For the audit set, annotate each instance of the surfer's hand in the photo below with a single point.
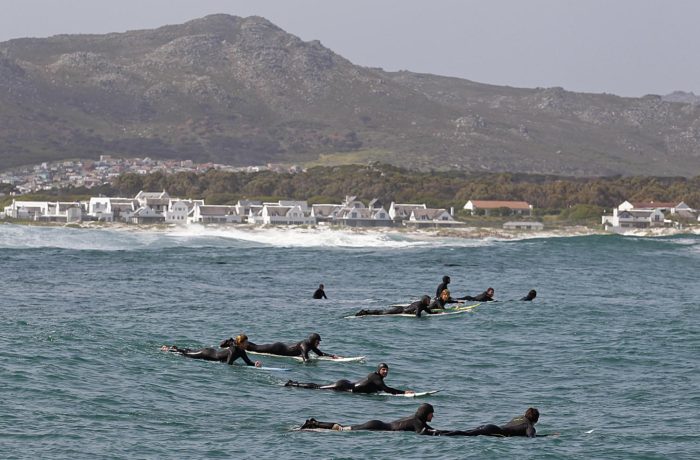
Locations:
(409, 392)
(258, 364)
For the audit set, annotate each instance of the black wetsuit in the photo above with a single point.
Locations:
(374, 383)
(225, 355)
(278, 348)
(414, 309)
(530, 295)
(319, 294)
(519, 426)
(483, 297)
(416, 423)
(441, 287)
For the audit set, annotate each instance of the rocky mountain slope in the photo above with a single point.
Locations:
(242, 91)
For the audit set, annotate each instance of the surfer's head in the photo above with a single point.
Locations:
(532, 294)
(532, 414)
(314, 339)
(425, 412)
(383, 369)
(425, 300)
(241, 340)
(226, 343)
(490, 291)
(446, 279)
(445, 295)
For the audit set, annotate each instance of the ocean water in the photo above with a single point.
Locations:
(608, 352)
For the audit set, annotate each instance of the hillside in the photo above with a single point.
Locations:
(243, 91)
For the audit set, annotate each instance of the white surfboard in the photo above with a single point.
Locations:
(417, 394)
(338, 359)
(268, 368)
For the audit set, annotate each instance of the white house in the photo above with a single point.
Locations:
(430, 217)
(178, 211)
(403, 211)
(220, 214)
(146, 215)
(157, 201)
(489, 206)
(635, 218)
(52, 211)
(325, 212)
(27, 210)
(282, 215)
(364, 217)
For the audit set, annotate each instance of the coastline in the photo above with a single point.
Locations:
(465, 232)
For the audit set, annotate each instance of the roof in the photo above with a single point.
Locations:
(494, 204)
(217, 210)
(430, 213)
(652, 204)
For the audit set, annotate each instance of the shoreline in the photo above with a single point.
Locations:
(465, 232)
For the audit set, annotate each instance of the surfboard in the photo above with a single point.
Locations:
(339, 359)
(268, 368)
(443, 312)
(417, 394)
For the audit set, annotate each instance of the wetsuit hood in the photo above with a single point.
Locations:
(445, 279)
(423, 411)
(313, 337)
(382, 366)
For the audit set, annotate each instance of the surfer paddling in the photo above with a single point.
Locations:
(373, 383)
(418, 423)
(416, 308)
(230, 350)
(486, 296)
(523, 425)
(302, 348)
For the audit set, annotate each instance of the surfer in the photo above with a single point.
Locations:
(416, 308)
(418, 423)
(373, 383)
(523, 425)
(443, 299)
(320, 293)
(442, 286)
(302, 348)
(530, 296)
(486, 296)
(231, 350)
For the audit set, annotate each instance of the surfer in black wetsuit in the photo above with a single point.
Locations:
(442, 300)
(418, 423)
(530, 296)
(486, 296)
(523, 425)
(422, 305)
(374, 383)
(320, 293)
(442, 286)
(230, 350)
(302, 348)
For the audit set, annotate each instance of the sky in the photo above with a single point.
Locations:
(624, 47)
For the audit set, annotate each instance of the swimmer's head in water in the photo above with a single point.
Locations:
(241, 339)
(313, 338)
(532, 414)
(424, 412)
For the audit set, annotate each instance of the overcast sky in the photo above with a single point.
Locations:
(624, 47)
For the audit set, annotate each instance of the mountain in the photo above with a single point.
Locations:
(242, 91)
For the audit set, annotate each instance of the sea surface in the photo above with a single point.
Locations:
(608, 352)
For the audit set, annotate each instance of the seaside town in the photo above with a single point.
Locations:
(93, 173)
(147, 208)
